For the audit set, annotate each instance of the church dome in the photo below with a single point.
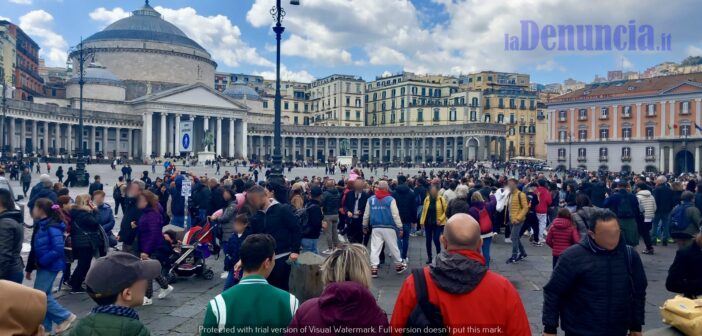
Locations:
(240, 91)
(145, 24)
(95, 73)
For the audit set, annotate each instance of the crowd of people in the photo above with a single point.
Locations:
(593, 223)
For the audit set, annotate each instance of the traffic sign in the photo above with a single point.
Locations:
(186, 136)
(186, 188)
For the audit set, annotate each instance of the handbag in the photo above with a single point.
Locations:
(683, 314)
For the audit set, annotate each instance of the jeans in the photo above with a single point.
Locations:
(332, 233)
(517, 247)
(309, 245)
(542, 217)
(55, 313)
(179, 221)
(486, 250)
(118, 203)
(14, 277)
(403, 242)
(433, 233)
(25, 188)
(661, 222)
(645, 232)
(84, 255)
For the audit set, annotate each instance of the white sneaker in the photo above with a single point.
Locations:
(327, 251)
(164, 292)
(224, 275)
(147, 301)
(508, 241)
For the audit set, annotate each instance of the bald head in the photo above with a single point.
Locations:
(462, 232)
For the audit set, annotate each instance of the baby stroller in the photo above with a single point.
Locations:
(193, 253)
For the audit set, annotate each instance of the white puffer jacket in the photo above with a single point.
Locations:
(647, 204)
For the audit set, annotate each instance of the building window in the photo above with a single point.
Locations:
(436, 115)
(348, 114)
(562, 115)
(420, 116)
(650, 130)
(604, 134)
(603, 151)
(474, 102)
(626, 152)
(582, 114)
(295, 107)
(358, 102)
(582, 152)
(626, 111)
(561, 152)
(512, 104)
(604, 112)
(286, 105)
(562, 135)
(626, 133)
(582, 135)
(650, 151)
(487, 118)
(651, 110)
(452, 115)
(265, 104)
(511, 131)
(685, 107)
(500, 118)
(501, 103)
(358, 115)
(685, 130)
(295, 120)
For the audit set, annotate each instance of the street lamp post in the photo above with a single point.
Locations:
(82, 55)
(276, 174)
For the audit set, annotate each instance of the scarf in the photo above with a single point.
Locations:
(117, 311)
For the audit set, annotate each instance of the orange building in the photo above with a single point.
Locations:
(651, 124)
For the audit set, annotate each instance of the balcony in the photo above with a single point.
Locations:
(562, 159)
(685, 111)
(582, 117)
(582, 159)
(604, 116)
(650, 158)
(651, 113)
(603, 158)
(626, 115)
(562, 119)
(626, 158)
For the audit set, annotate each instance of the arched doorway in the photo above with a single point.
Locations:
(473, 149)
(651, 169)
(626, 169)
(561, 168)
(684, 162)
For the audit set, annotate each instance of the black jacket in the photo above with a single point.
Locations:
(664, 199)
(131, 214)
(597, 193)
(592, 291)
(314, 220)
(406, 204)
(331, 201)
(216, 200)
(201, 196)
(93, 187)
(280, 222)
(351, 199)
(85, 228)
(685, 274)
(11, 238)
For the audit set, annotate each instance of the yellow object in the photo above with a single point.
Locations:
(684, 314)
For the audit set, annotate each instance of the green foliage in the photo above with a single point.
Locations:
(692, 60)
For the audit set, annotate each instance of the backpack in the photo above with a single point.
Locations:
(302, 216)
(678, 218)
(425, 315)
(485, 221)
(624, 210)
(117, 192)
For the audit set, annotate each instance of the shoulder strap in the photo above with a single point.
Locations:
(420, 288)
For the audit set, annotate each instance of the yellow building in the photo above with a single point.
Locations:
(491, 79)
(337, 100)
(7, 55)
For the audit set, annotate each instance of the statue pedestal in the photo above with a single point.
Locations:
(204, 156)
(345, 160)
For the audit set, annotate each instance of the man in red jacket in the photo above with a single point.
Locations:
(545, 201)
(472, 299)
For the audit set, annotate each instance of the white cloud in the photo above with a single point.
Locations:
(626, 63)
(108, 16)
(287, 75)
(5, 18)
(37, 24)
(394, 32)
(21, 2)
(550, 65)
(694, 51)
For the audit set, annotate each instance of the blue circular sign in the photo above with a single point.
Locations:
(186, 141)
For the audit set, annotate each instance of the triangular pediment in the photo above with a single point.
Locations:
(683, 87)
(195, 94)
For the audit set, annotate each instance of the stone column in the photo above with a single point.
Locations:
(293, 148)
(615, 120)
(231, 137)
(402, 150)
(371, 153)
(59, 143)
(118, 134)
(91, 146)
(423, 148)
(205, 128)
(105, 140)
(326, 149)
(69, 139)
(130, 144)
(23, 135)
(697, 159)
(639, 130)
(35, 136)
(593, 119)
(242, 138)
(218, 144)
(698, 116)
(664, 120)
(455, 149)
(163, 131)
(661, 159)
(147, 136)
(314, 149)
(359, 149)
(336, 146)
(176, 143)
(671, 158)
(45, 150)
(11, 134)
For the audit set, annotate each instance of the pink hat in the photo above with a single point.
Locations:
(353, 177)
(240, 200)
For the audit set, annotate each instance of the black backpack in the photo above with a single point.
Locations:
(625, 210)
(425, 316)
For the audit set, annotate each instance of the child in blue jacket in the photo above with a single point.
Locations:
(231, 249)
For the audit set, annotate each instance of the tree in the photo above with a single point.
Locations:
(692, 60)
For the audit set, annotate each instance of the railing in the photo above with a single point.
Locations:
(582, 159)
(561, 159)
(581, 118)
(626, 114)
(603, 158)
(626, 158)
(650, 158)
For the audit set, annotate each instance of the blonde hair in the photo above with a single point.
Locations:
(82, 201)
(348, 263)
(477, 197)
